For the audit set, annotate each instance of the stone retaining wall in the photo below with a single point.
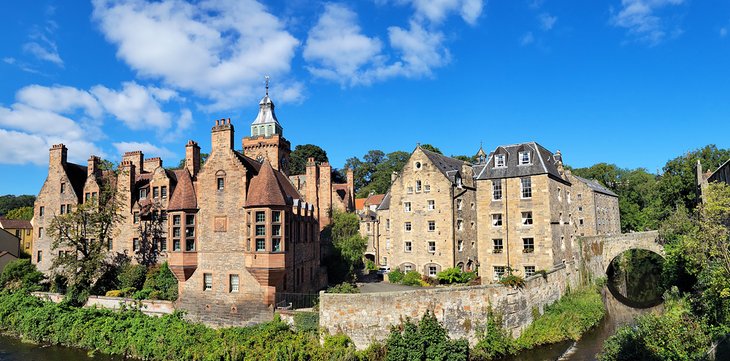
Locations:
(462, 310)
(148, 307)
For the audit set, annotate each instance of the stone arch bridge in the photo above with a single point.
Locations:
(599, 251)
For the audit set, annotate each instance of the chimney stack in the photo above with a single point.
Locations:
(58, 155)
(222, 134)
(136, 158)
(93, 167)
(192, 158)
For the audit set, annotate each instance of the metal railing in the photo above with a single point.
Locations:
(293, 301)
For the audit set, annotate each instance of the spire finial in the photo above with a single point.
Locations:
(267, 84)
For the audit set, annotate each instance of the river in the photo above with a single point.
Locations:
(12, 349)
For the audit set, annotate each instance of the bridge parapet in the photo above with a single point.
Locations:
(599, 251)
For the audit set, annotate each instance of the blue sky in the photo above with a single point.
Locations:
(631, 82)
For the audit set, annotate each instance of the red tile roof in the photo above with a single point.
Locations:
(360, 203)
(265, 189)
(374, 200)
(183, 196)
(15, 223)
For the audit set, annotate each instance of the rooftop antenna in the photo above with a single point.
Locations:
(267, 84)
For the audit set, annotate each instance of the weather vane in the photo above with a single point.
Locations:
(267, 84)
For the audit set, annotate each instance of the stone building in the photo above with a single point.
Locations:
(236, 231)
(22, 230)
(369, 228)
(531, 210)
(721, 174)
(427, 219)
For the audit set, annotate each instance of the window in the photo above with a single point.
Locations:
(190, 220)
(528, 245)
(497, 220)
(407, 226)
(407, 206)
(408, 268)
(40, 232)
(459, 225)
(431, 226)
(432, 246)
(260, 217)
(418, 165)
(163, 244)
(526, 187)
(275, 216)
(387, 246)
(220, 183)
(499, 160)
(580, 208)
(93, 195)
(567, 195)
(42, 211)
(529, 271)
(459, 204)
(233, 282)
(527, 218)
(408, 246)
(63, 208)
(135, 217)
(40, 256)
(524, 157)
(260, 245)
(418, 186)
(431, 271)
(276, 230)
(580, 221)
(135, 244)
(260, 230)
(176, 231)
(68, 208)
(142, 194)
(87, 197)
(189, 231)
(276, 244)
(207, 281)
(498, 246)
(497, 189)
(460, 245)
(427, 188)
(176, 245)
(579, 196)
(176, 220)
(559, 198)
(498, 272)
(156, 192)
(409, 190)
(163, 192)
(190, 245)
(63, 187)
(459, 183)
(387, 224)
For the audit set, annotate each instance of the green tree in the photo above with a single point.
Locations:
(21, 274)
(203, 158)
(301, 154)
(151, 233)
(431, 148)
(24, 213)
(426, 340)
(348, 246)
(379, 178)
(80, 242)
(9, 202)
(466, 158)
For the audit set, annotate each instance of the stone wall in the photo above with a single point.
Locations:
(462, 310)
(148, 307)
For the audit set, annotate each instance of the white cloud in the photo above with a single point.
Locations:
(336, 43)
(9, 60)
(42, 116)
(527, 39)
(219, 49)
(547, 21)
(437, 10)
(48, 53)
(136, 106)
(640, 19)
(147, 148)
(421, 50)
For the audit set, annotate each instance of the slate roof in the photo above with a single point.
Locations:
(265, 189)
(14, 223)
(77, 176)
(447, 165)
(385, 204)
(248, 162)
(266, 112)
(596, 186)
(542, 162)
(183, 196)
(9, 243)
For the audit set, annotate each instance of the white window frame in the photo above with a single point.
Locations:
(407, 207)
(432, 246)
(408, 246)
(497, 190)
(527, 218)
(207, 281)
(499, 272)
(234, 286)
(526, 190)
(497, 218)
(432, 223)
(460, 245)
(525, 157)
(432, 271)
(500, 161)
(431, 204)
(529, 271)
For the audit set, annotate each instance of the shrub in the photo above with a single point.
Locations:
(343, 287)
(426, 340)
(371, 266)
(513, 281)
(412, 278)
(21, 274)
(494, 341)
(306, 321)
(132, 276)
(113, 293)
(395, 276)
(455, 275)
(161, 283)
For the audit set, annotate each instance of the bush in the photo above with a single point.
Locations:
(395, 276)
(113, 293)
(513, 281)
(161, 283)
(425, 341)
(455, 275)
(674, 335)
(343, 287)
(21, 274)
(371, 266)
(306, 321)
(132, 276)
(412, 278)
(494, 342)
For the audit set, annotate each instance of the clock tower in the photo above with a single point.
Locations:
(267, 140)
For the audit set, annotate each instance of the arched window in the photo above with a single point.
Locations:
(418, 186)
(220, 180)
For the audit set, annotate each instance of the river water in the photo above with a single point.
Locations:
(12, 349)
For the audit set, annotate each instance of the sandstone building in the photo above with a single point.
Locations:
(237, 230)
(369, 229)
(427, 220)
(22, 229)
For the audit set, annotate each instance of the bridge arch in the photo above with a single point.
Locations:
(614, 246)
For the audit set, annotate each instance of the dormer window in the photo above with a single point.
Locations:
(499, 161)
(459, 184)
(524, 158)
